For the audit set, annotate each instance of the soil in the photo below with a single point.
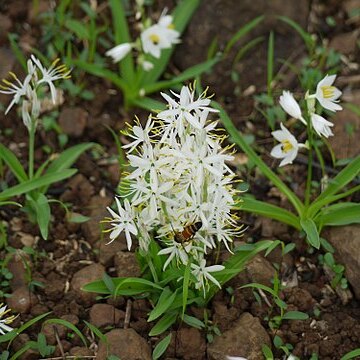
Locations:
(75, 254)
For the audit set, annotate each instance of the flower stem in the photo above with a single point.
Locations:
(31, 148)
(309, 170)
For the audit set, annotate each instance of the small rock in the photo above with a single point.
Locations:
(79, 187)
(346, 241)
(107, 251)
(126, 344)
(126, 264)
(260, 270)
(39, 309)
(244, 339)
(102, 315)
(71, 318)
(114, 173)
(84, 276)
(21, 300)
(17, 268)
(54, 288)
(224, 316)
(73, 121)
(190, 344)
(301, 298)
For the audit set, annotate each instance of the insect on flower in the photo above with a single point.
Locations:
(188, 232)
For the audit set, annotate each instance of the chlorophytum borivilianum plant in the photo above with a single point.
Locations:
(178, 201)
(142, 62)
(326, 209)
(34, 183)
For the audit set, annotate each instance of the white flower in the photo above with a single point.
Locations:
(4, 327)
(140, 135)
(166, 21)
(202, 274)
(288, 147)
(53, 73)
(235, 358)
(147, 65)
(17, 88)
(122, 221)
(154, 39)
(118, 52)
(321, 125)
(328, 95)
(290, 106)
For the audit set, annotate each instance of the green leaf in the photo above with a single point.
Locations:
(309, 226)
(270, 63)
(185, 287)
(16, 50)
(69, 325)
(165, 300)
(13, 163)
(336, 184)
(262, 287)
(163, 324)
(352, 354)
(242, 32)
(43, 213)
(122, 35)
(295, 315)
(78, 28)
(310, 43)
(132, 285)
(33, 184)
(239, 139)
(187, 74)
(267, 352)
(340, 214)
(149, 104)
(161, 347)
(97, 332)
(12, 334)
(252, 205)
(99, 70)
(193, 322)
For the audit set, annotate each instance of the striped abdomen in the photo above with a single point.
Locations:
(188, 233)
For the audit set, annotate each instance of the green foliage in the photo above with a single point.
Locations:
(35, 186)
(171, 291)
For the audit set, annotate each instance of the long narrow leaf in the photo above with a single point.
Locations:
(161, 347)
(122, 35)
(33, 184)
(339, 181)
(165, 300)
(100, 71)
(187, 74)
(309, 226)
(163, 324)
(13, 163)
(340, 214)
(240, 141)
(269, 210)
(242, 32)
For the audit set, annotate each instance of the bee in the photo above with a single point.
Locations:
(188, 232)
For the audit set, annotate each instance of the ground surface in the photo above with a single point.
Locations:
(76, 253)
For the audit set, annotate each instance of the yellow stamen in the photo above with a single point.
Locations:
(171, 27)
(55, 62)
(155, 39)
(328, 91)
(286, 146)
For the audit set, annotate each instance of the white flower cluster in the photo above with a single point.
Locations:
(153, 39)
(180, 188)
(4, 322)
(27, 91)
(327, 95)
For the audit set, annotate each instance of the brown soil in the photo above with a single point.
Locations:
(333, 328)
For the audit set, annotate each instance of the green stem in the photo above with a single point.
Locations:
(31, 148)
(309, 176)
